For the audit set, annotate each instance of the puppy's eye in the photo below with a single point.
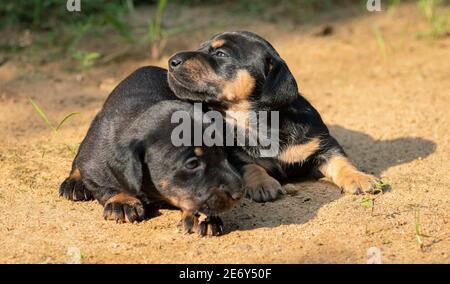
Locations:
(220, 53)
(192, 163)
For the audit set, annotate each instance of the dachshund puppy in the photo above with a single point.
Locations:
(240, 72)
(127, 161)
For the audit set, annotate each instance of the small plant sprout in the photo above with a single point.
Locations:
(419, 234)
(54, 128)
(45, 118)
(380, 42)
(367, 202)
(86, 59)
(417, 222)
(418, 227)
(380, 186)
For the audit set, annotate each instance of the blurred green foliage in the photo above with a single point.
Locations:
(45, 14)
(438, 23)
(62, 30)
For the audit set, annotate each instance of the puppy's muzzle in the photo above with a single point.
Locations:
(232, 183)
(177, 60)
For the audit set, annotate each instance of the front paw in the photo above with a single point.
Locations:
(189, 222)
(259, 185)
(265, 189)
(360, 183)
(211, 226)
(73, 189)
(124, 208)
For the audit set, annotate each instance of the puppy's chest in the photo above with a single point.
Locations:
(256, 132)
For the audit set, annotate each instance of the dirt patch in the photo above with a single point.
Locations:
(390, 112)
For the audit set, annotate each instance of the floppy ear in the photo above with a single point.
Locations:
(280, 87)
(126, 164)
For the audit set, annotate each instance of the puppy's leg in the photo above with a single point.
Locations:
(73, 188)
(123, 207)
(259, 185)
(189, 222)
(211, 226)
(338, 168)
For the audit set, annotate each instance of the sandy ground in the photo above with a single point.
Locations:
(391, 113)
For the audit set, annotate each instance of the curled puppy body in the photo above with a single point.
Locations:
(127, 161)
(239, 72)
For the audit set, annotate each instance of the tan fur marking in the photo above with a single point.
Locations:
(237, 92)
(240, 88)
(76, 175)
(238, 114)
(300, 152)
(199, 151)
(345, 175)
(180, 199)
(198, 71)
(117, 202)
(193, 219)
(163, 184)
(255, 175)
(123, 198)
(217, 43)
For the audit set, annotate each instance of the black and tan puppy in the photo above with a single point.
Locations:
(128, 163)
(238, 72)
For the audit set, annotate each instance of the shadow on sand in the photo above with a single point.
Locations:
(370, 155)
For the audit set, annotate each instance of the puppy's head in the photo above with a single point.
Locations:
(191, 178)
(230, 68)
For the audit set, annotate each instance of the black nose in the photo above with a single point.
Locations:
(175, 61)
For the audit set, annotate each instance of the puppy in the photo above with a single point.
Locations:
(127, 161)
(239, 72)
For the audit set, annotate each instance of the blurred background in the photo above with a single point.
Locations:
(106, 31)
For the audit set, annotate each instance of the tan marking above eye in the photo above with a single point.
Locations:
(217, 43)
(300, 152)
(199, 151)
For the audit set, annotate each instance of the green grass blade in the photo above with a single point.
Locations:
(41, 113)
(73, 150)
(380, 42)
(162, 4)
(65, 119)
(417, 226)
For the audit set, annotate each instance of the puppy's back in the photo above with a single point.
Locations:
(141, 90)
